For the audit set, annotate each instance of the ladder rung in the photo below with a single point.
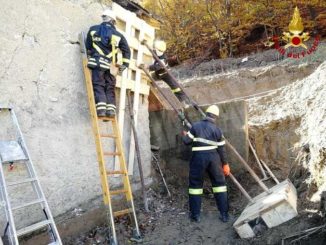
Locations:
(21, 181)
(28, 204)
(115, 172)
(108, 136)
(111, 154)
(33, 227)
(106, 118)
(122, 212)
(117, 192)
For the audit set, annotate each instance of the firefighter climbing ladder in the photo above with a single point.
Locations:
(102, 155)
(15, 152)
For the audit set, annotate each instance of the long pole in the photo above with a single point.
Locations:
(161, 173)
(246, 165)
(180, 114)
(140, 165)
(257, 159)
(174, 79)
(243, 191)
(188, 124)
(270, 172)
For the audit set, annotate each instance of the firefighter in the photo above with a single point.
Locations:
(159, 73)
(102, 43)
(208, 156)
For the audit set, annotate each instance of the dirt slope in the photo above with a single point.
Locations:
(304, 102)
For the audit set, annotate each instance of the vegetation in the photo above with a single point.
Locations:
(217, 28)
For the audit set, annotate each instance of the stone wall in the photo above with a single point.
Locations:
(175, 155)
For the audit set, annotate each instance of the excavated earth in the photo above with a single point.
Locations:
(287, 127)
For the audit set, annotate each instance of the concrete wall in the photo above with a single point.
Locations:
(41, 77)
(176, 156)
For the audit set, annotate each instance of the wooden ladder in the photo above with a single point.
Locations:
(99, 124)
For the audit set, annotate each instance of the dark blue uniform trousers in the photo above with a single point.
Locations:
(104, 87)
(200, 163)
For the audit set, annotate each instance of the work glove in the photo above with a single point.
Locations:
(122, 68)
(226, 169)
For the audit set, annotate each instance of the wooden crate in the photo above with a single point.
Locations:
(270, 208)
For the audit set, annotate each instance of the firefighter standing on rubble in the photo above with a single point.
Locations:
(208, 156)
(159, 73)
(102, 45)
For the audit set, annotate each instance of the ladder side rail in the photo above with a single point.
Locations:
(36, 184)
(9, 215)
(29, 164)
(126, 180)
(96, 131)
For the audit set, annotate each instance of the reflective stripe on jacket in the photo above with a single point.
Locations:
(102, 44)
(205, 136)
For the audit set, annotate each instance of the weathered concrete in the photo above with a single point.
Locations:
(232, 121)
(41, 77)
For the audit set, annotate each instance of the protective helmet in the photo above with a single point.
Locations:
(160, 45)
(108, 14)
(213, 109)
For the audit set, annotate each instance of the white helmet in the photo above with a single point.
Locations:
(160, 47)
(213, 109)
(108, 15)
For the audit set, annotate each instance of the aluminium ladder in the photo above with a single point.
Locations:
(15, 151)
(102, 134)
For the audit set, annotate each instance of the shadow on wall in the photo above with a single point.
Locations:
(166, 131)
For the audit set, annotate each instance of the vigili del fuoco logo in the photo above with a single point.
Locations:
(296, 37)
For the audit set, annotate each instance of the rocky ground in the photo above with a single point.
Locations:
(167, 223)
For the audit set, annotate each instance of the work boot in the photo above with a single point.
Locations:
(224, 217)
(101, 113)
(110, 113)
(195, 218)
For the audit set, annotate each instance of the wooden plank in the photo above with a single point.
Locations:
(135, 30)
(137, 88)
(122, 212)
(144, 88)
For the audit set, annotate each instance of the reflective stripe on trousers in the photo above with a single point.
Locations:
(219, 189)
(193, 191)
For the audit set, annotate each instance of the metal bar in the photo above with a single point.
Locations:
(38, 201)
(270, 172)
(9, 215)
(140, 164)
(33, 227)
(161, 173)
(243, 191)
(32, 174)
(257, 159)
(21, 182)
